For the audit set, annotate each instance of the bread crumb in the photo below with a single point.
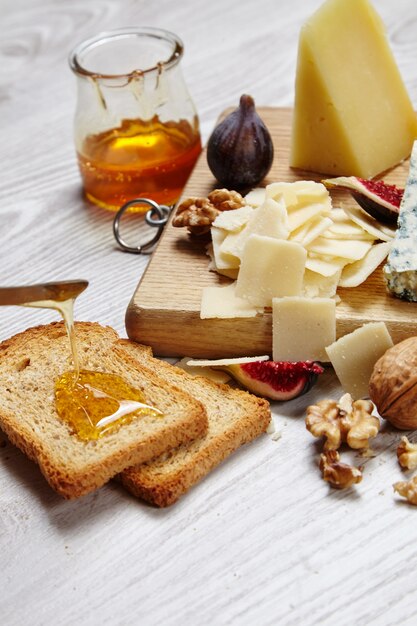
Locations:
(271, 427)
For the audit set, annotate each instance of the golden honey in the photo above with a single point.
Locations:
(138, 159)
(97, 403)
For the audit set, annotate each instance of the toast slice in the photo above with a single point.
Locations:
(29, 365)
(235, 417)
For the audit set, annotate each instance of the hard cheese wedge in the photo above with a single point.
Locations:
(401, 270)
(352, 113)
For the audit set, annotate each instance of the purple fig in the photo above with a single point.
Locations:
(381, 200)
(276, 380)
(240, 149)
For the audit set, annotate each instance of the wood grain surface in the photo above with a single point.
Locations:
(262, 540)
(168, 297)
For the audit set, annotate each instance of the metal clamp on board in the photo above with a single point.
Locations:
(157, 216)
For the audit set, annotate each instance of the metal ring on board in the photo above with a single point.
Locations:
(156, 216)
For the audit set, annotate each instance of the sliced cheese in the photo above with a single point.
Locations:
(270, 268)
(302, 328)
(319, 286)
(222, 259)
(300, 214)
(224, 362)
(347, 229)
(255, 197)
(352, 113)
(369, 224)
(222, 302)
(344, 248)
(218, 376)
(269, 219)
(326, 266)
(353, 356)
(233, 220)
(356, 273)
(309, 231)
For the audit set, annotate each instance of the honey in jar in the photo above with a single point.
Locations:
(136, 128)
(138, 159)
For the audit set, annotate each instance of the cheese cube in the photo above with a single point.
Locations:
(270, 268)
(352, 113)
(353, 356)
(302, 328)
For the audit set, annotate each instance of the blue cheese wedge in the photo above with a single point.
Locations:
(400, 271)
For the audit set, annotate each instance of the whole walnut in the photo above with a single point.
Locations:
(393, 385)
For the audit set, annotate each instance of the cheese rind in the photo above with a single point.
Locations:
(353, 356)
(345, 70)
(400, 271)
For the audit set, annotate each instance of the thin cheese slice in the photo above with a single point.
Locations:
(218, 376)
(309, 231)
(299, 215)
(269, 219)
(345, 248)
(352, 113)
(347, 230)
(222, 302)
(326, 266)
(255, 197)
(302, 328)
(356, 273)
(369, 224)
(270, 268)
(353, 356)
(223, 362)
(319, 286)
(233, 220)
(222, 259)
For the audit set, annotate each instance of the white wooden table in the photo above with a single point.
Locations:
(262, 540)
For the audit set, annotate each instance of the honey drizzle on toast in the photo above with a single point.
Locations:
(92, 403)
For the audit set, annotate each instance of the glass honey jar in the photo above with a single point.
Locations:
(136, 127)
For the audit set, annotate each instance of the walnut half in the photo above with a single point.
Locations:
(407, 454)
(198, 214)
(338, 475)
(407, 489)
(343, 421)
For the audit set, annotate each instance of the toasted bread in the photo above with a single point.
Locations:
(235, 417)
(29, 365)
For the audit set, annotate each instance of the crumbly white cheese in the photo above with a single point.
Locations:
(400, 271)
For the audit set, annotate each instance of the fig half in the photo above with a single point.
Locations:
(276, 380)
(377, 198)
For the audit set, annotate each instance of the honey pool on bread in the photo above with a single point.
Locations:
(93, 403)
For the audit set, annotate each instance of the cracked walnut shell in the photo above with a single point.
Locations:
(198, 214)
(343, 421)
(393, 385)
(338, 475)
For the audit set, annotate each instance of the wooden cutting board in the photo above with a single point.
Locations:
(164, 312)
